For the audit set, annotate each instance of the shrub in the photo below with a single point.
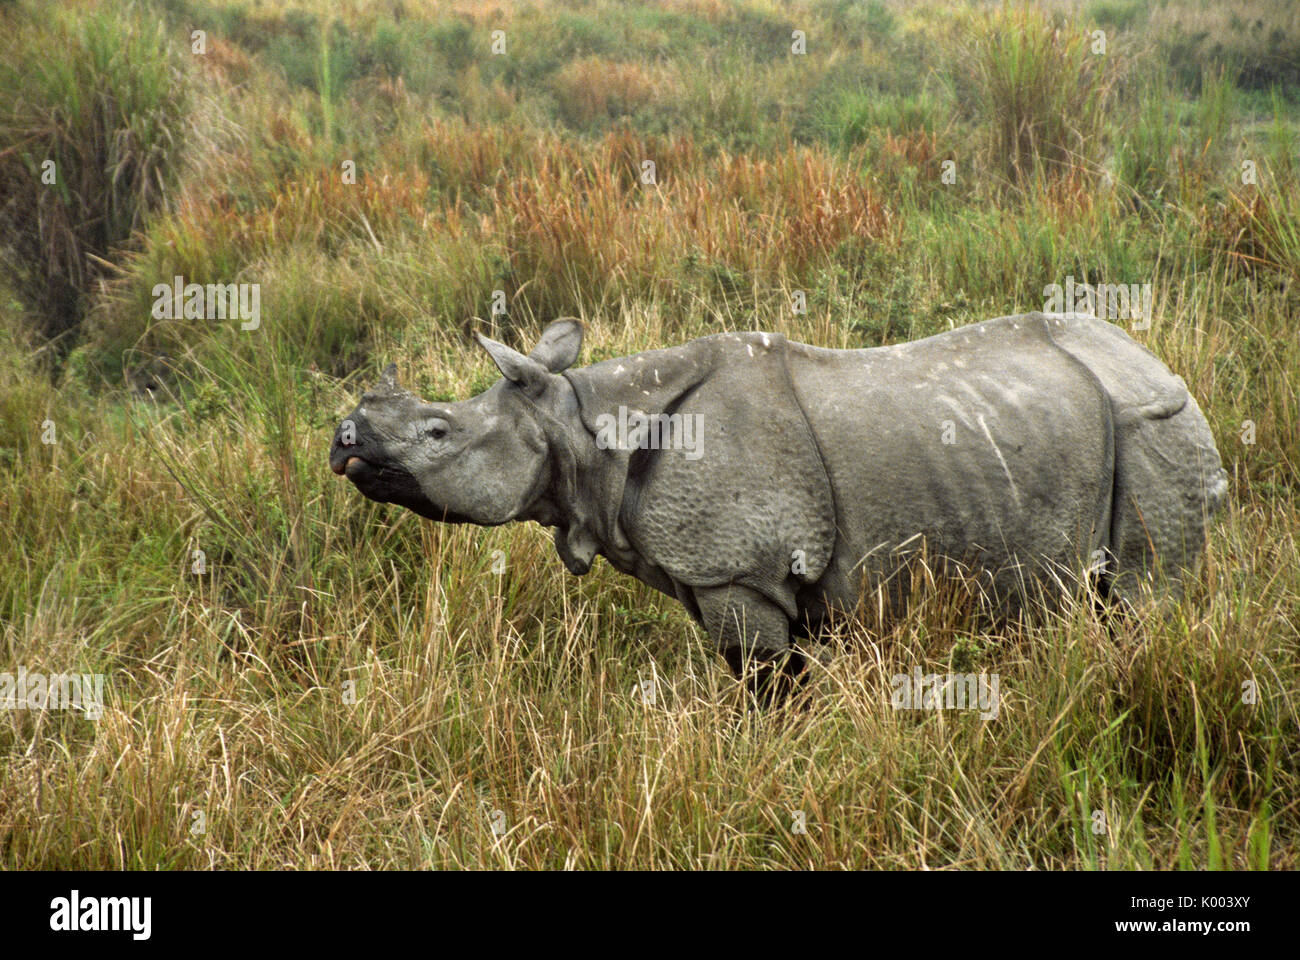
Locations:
(872, 18)
(108, 112)
(854, 116)
(595, 89)
(1257, 40)
(1259, 229)
(1040, 92)
(1119, 14)
(1147, 143)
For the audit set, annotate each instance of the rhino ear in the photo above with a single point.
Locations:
(514, 366)
(389, 375)
(560, 344)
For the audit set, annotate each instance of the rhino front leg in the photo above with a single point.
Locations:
(753, 634)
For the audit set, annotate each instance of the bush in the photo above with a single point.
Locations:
(872, 18)
(1256, 40)
(1118, 14)
(1147, 143)
(854, 116)
(107, 111)
(1040, 92)
(595, 89)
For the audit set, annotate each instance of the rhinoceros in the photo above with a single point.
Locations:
(766, 483)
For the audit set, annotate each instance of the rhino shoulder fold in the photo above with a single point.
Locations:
(752, 504)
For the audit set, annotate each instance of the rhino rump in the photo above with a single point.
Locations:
(1168, 480)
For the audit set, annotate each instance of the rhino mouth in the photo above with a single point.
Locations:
(393, 484)
(376, 481)
(369, 477)
(340, 460)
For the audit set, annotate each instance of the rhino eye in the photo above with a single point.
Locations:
(437, 430)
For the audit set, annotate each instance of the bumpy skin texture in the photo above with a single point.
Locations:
(1024, 448)
(757, 494)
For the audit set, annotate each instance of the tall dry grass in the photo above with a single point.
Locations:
(1043, 89)
(340, 684)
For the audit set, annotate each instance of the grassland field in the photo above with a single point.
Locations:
(295, 677)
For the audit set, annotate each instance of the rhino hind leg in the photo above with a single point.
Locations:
(753, 634)
(1168, 484)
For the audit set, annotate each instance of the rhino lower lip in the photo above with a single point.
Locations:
(347, 467)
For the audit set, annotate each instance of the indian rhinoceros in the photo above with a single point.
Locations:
(766, 483)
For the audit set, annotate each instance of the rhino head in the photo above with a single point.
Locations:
(485, 460)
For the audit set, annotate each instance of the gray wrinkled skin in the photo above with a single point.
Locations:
(1023, 449)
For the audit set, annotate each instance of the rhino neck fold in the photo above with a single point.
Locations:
(584, 497)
